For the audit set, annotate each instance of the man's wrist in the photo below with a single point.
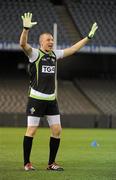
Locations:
(26, 28)
(89, 37)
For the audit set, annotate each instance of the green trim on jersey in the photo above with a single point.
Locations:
(37, 63)
(43, 98)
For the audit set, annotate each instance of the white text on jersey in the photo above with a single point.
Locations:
(48, 69)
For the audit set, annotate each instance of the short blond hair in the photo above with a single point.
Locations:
(41, 36)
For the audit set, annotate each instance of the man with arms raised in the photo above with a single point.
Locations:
(42, 98)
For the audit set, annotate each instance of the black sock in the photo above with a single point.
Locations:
(54, 145)
(27, 145)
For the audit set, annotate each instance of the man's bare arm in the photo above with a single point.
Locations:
(23, 42)
(76, 47)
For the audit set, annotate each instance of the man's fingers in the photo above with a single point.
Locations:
(25, 15)
(22, 17)
(30, 15)
(34, 23)
(95, 26)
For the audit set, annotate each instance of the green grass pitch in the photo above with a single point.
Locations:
(80, 160)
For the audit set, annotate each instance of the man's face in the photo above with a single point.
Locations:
(47, 42)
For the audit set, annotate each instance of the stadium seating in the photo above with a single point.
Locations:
(13, 95)
(90, 96)
(43, 13)
(72, 101)
(83, 13)
(101, 92)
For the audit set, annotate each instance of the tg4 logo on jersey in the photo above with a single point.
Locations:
(48, 69)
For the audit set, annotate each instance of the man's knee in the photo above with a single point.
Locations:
(31, 131)
(56, 130)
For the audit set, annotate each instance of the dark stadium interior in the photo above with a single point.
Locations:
(86, 80)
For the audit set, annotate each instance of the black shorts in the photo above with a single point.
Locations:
(39, 108)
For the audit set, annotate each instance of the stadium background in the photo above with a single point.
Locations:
(86, 80)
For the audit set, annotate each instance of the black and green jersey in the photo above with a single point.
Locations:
(42, 76)
(42, 73)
